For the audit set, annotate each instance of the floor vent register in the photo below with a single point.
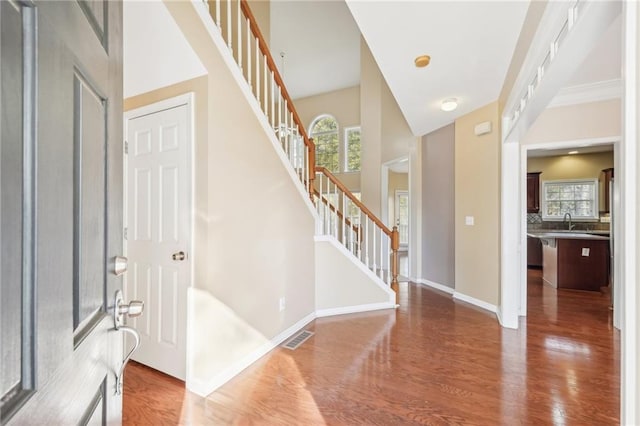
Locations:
(298, 339)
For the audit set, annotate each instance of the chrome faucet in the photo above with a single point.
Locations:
(565, 219)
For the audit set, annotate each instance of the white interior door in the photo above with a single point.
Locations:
(159, 231)
(401, 212)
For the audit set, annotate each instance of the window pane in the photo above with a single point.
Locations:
(576, 198)
(353, 150)
(325, 135)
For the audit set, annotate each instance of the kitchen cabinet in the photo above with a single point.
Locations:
(605, 178)
(533, 192)
(575, 261)
(534, 252)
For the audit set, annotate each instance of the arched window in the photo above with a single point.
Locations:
(324, 131)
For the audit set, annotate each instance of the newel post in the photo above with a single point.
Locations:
(312, 168)
(395, 245)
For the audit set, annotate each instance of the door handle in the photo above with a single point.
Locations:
(179, 256)
(131, 309)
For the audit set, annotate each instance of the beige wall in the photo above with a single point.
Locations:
(261, 10)
(438, 206)
(260, 238)
(396, 134)
(583, 121)
(477, 194)
(371, 123)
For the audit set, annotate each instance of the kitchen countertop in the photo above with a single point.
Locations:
(568, 235)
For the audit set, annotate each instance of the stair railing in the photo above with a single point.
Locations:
(347, 219)
(246, 43)
(361, 232)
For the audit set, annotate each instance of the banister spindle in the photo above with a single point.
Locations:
(382, 259)
(218, 13)
(265, 68)
(344, 218)
(272, 101)
(239, 23)
(229, 26)
(395, 245)
(249, 56)
(373, 248)
(366, 241)
(258, 71)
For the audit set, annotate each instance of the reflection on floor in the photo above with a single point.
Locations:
(432, 361)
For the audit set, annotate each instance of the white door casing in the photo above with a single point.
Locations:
(158, 229)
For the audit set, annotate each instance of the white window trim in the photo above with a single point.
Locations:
(543, 200)
(345, 149)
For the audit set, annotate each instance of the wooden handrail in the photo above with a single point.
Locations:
(353, 198)
(272, 66)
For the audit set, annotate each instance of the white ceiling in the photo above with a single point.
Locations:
(470, 43)
(321, 43)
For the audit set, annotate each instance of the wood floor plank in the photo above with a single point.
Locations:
(433, 361)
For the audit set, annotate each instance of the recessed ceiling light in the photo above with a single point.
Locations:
(422, 61)
(449, 104)
(573, 152)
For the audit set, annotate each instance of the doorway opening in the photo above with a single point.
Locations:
(396, 208)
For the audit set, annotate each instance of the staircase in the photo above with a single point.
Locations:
(341, 215)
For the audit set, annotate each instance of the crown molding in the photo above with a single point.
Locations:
(590, 92)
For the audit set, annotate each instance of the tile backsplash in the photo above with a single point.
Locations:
(534, 221)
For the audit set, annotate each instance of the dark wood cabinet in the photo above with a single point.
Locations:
(534, 252)
(533, 192)
(607, 176)
(583, 264)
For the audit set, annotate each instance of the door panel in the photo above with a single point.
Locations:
(158, 227)
(66, 222)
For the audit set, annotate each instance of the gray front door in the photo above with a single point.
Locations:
(61, 210)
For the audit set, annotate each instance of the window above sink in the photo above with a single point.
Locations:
(578, 197)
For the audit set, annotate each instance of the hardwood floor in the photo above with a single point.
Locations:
(432, 361)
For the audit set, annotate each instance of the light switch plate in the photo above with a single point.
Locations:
(469, 220)
(585, 251)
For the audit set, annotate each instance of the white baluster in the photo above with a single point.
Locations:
(381, 255)
(258, 70)
(373, 246)
(265, 69)
(229, 26)
(271, 100)
(335, 211)
(218, 13)
(280, 113)
(286, 128)
(344, 218)
(366, 241)
(249, 54)
(351, 232)
(239, 22)
(390, 260)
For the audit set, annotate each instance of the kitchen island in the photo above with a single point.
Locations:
(574, 260)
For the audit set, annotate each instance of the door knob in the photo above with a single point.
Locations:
(179, 256)
(133, 309)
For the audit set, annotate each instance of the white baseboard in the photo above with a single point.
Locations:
(320, 313)
(204, 388)
(477, 302)
(434, 285)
